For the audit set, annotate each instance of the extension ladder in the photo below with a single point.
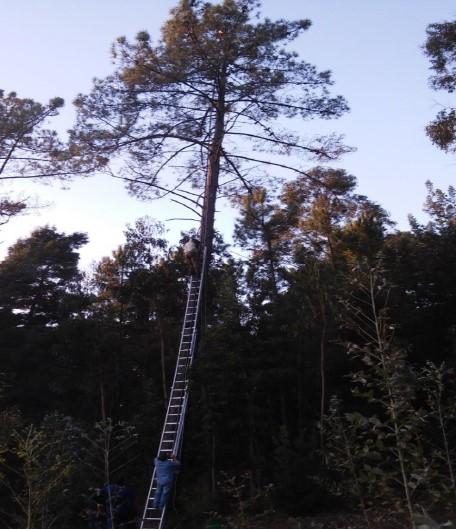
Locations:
(171, 437)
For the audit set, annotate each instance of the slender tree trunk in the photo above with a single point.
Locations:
(331, 251)
(213, 479)
(299, 388)
(252, 429)
(283, 411)
(271, 267)
(358, 487)
(392, 406)
(102, 397)
(29, 505)
(213, 171)
(322, 370)
(162, 359)
(107, 469)
(447, 448)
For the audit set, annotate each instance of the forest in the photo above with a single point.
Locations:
(322, 392)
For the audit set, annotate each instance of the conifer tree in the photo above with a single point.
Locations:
(28, 149)
(440, 47)
(216, 78)
(39, 276)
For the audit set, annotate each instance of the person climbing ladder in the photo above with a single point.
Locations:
(165, 471)
(192, 254)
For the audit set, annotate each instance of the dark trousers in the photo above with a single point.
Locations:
(162, 494)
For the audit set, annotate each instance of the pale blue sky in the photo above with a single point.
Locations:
(373, 47)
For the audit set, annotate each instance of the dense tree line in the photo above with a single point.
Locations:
(289, 358)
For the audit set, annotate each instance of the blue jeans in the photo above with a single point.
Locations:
(162, 494)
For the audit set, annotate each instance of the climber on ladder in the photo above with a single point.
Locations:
(192, 254)
(165, 471)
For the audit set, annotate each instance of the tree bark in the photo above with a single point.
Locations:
(213, 171)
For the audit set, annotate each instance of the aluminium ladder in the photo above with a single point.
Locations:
(171, 437)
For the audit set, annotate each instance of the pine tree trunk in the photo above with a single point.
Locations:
(322, 370)
(213, 171)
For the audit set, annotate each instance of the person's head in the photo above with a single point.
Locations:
(162, 456)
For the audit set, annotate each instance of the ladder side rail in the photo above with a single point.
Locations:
(178, 438)
(180, 429)
(197, 317)
(200, 291)
(169, 409)
(197, 314)
(180, 415)
(191, 354)
(176, 446)
(179, 356)
(186, 314)
(148, 505)
(167, 415)
(191, 349)
(195, 325)
(149, 497)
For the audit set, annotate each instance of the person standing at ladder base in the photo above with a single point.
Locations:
(165, 471)
(192, 254)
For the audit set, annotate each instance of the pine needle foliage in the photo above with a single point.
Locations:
(202, 101)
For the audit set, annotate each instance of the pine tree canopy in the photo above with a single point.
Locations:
(440, 47)
(213, 87)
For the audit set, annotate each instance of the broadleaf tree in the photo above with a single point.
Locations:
(204, 106)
